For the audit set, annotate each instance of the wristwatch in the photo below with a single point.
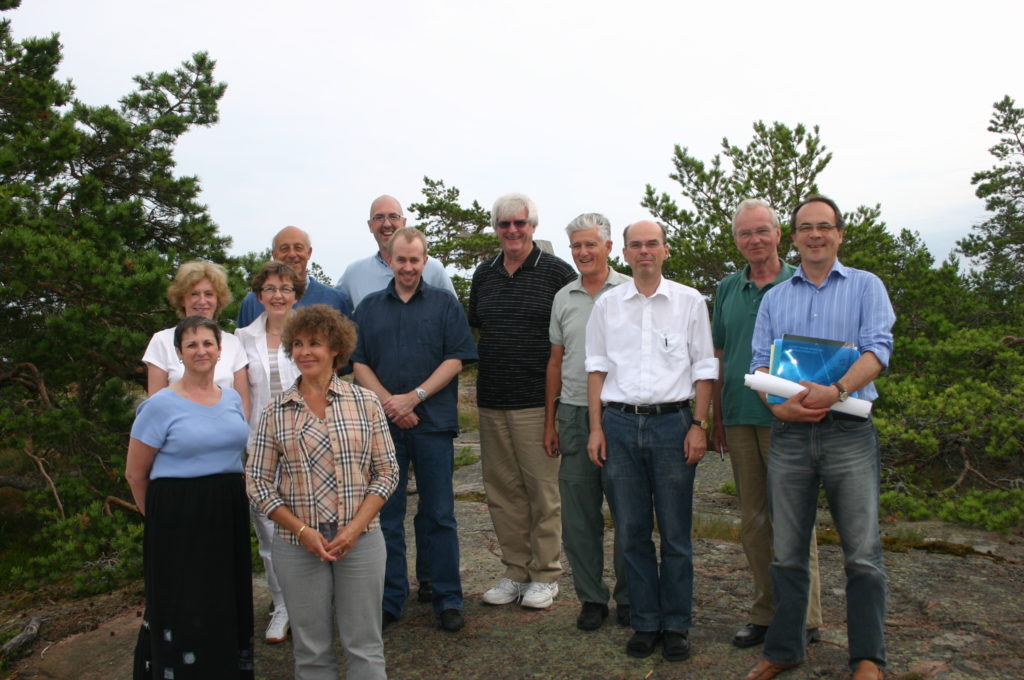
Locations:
(421, 393)
(702, 424)
(843, 394)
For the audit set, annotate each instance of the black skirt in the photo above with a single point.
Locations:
(198, 566)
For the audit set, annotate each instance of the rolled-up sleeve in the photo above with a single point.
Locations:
(261, 468)
(704, 365)
(878, 318)
(383, 465)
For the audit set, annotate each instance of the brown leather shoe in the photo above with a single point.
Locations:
(766, 669)
(867, 670)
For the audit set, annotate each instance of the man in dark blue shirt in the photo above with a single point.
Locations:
(413, 342)
(291, 245)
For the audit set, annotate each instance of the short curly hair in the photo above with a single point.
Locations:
(191, 273)
(282, 270)
(338, 331)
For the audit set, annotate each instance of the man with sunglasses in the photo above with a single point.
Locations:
(510, 303)
(813, 446)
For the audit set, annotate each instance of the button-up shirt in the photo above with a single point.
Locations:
(653, 349)
(403, 343)
(326, 467)
(851, 305)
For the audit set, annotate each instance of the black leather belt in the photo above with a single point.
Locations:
(649, 409)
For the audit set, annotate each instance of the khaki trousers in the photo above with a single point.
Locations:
(748, 452)
(521, 483)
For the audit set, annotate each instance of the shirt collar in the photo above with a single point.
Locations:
(394, 293)
(631, 290)
(783, 275)
(837, 268)
(292, 393)
(614, 279)
(531, 260)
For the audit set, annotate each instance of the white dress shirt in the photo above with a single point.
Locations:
(654, 348)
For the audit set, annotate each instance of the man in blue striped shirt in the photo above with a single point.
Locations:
(814, 447)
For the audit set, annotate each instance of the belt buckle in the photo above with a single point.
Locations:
(645, 409)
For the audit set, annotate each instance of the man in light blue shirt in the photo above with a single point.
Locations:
(814, 447)
(373, 273)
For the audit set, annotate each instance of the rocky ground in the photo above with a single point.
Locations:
(952, 615)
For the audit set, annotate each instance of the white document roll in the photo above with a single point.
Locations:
(780, 387)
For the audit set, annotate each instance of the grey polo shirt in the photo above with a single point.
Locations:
(570, 312)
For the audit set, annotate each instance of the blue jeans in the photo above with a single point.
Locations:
(647, 475)
(433, 458)
(843, 457)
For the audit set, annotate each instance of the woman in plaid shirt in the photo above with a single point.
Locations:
(326, 443)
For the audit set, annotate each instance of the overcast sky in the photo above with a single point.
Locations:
(577, 103)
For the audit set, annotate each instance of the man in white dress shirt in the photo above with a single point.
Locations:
(649, 352)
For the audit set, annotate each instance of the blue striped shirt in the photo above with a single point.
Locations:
(850, 306)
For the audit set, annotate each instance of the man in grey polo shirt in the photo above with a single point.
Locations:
(565, 398)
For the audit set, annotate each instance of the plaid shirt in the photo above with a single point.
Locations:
(338, 461)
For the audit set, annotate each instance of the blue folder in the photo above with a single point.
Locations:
(796, 358)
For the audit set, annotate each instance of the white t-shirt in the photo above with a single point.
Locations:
(161, 353)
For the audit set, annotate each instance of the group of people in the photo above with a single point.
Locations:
(591, 386)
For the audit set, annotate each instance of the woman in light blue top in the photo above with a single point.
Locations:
(185, 471)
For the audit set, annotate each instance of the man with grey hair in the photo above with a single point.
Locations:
(373, 273)
(565, 398)
(292, 246)
(742, 421)
(510, 303)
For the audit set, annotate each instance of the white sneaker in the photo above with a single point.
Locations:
(539, 595)
(277, 630)
(504, 592)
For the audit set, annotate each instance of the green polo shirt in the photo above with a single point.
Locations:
(732, 327)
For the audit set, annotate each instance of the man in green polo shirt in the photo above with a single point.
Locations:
(742, 422)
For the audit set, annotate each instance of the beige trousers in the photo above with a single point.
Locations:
(748, 452)
(521, 483)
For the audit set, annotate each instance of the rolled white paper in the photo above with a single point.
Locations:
(780, 387)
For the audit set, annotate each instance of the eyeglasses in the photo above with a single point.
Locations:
(650, 245)
(391, 217)
(824, 228)
(271, 290)
(760, 232)
(518, 224)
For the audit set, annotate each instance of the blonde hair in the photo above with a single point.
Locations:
(191, 273)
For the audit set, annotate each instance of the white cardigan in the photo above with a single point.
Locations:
(254, 341)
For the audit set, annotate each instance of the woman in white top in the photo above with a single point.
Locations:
(271, 371)
(199, 288)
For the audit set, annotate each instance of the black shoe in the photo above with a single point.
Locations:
(425, 593)
(451, 620)
(643, 643)
(813, 635)
(749, 635)
(592, 616)
(386, 619)
(622, 614)
(675, 645)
